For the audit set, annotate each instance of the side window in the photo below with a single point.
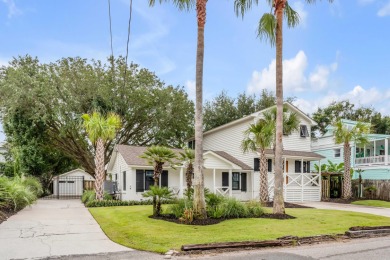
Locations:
(124, 180)
(236, 181)
(303, 131)
(337, 153)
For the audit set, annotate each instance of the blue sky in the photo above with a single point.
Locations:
(339, 50)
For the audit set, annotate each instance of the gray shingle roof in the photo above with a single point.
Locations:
(296, 154)
(131, 155)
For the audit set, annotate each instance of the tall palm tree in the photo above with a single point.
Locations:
(100, 129)
(157, 156)
(271, 28)
(258, 137)
(188, 157)
(344, 135)
(199, 204)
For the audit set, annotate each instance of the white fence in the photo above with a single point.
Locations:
(298, 187)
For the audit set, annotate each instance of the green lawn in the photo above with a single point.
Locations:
(131, 227)
(373, 203)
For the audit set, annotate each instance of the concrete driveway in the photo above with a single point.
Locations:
(348, 207)
(53, 228)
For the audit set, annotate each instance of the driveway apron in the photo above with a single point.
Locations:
(348, 207)
(53, 228)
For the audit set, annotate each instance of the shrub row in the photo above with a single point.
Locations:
(18, 192)
(113, 203)
(218, 207)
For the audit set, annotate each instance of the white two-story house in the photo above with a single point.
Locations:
(227, 169)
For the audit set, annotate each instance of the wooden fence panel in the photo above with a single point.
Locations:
(380, 189)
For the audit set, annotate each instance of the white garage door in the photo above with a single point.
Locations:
(70, 186)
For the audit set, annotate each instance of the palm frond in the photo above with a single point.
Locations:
(267, 28)
(291, 16)
(242, 6)
(180, 4)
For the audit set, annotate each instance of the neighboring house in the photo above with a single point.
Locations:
(72, 183)
(372, 158)
(228, 171)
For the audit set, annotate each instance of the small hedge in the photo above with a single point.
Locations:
(114, 203)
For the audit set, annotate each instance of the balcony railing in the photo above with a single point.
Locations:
(380, 159)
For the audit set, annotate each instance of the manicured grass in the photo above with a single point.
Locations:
(373, 203)
(131, 227)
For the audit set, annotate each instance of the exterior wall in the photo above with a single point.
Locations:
(379, 173)
(229, 140)
(2, 152)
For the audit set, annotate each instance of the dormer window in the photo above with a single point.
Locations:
(303, 131)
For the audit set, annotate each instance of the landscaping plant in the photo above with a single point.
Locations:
(159, 195)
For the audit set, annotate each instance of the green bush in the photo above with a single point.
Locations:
(90, 195)
(18, 192)
(213, 201)
(255, 209)
(232, 208)
(113, 203)
(178, 207)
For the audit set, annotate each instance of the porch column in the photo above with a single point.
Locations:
(364, 152)
(302, 179)
(374, 153)
(181, 187)
(215, 188)
(386, 151)
(320, 178)
(230, 183)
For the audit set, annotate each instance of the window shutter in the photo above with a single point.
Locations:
(269, 161)
(297, 166)
(256, 164)
(139, 182)
(124, 180)
(225, 179)
(308, 166)
(164, 179)
(243, 181)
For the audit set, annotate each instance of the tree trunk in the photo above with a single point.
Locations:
(189, 172)
(264, 198)
(199, 199)
(158, 168)
(278, 188)
(99, 170)
(347, 185)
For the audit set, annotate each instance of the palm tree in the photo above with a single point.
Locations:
(271, 28)
(188, 157)
(259, 136)
(199, 197)
(100, 129)
(159, 194)
(345, 135)
(157, 156)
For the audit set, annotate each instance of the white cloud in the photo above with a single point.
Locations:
(385, 10)
(319, 78)
(357, 95)
(13, 10)
(299, 7)
(191, 89)
(294, 77)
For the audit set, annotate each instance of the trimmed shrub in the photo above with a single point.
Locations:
(114, 203)
(88, 195)
(178, 207)
(255, 209)
(232, 208)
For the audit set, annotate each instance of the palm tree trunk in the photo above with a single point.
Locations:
(347, 186)
(278, 189)
(158, 167)
(199, 199)
(99, 169)
(189, 172)
(264, 198)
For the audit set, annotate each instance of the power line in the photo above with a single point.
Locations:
(109, 17)
(128, 40)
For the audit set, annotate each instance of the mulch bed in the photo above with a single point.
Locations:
(276, 216)
(4, 215)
